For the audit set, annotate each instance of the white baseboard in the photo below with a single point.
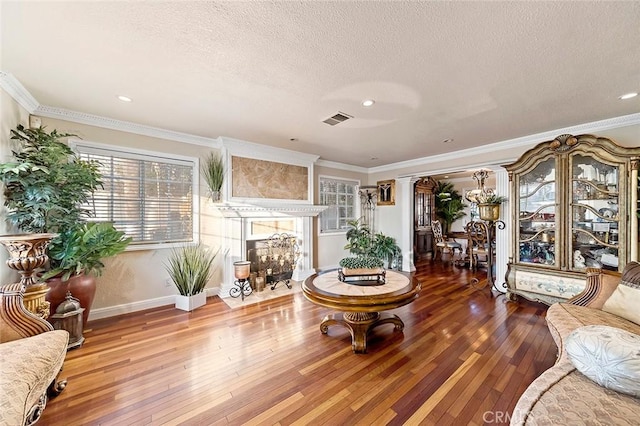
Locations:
(127, 308)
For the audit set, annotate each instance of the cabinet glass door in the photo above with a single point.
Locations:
(537, 215)
(594, 211)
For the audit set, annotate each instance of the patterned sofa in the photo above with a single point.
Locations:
(31, 356)
(563, 395)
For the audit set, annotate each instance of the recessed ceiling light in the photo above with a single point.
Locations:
(294, 139)
(448, 140)
(628, 95)
(124, 98)
(374, 158)
(368, 102)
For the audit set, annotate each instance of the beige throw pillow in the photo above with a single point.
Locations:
(625, 300)
(607, 355)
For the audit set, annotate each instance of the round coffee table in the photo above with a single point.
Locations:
(360, 305)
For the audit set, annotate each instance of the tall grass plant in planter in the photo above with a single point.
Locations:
(190, 269)
(213, 171)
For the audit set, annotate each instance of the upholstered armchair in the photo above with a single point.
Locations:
(31, 356)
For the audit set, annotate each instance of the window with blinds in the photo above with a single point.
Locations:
(340, 196)
(147, 196)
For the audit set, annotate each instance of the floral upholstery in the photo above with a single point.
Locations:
(27, 367)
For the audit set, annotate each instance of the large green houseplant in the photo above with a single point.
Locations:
(46, 189)
(449, 204)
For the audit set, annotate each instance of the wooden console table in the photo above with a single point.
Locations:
(361, 306)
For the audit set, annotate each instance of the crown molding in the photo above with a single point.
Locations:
(238, 147)
(525, 142)
(123, 126)
(17, 91)
(342, 166)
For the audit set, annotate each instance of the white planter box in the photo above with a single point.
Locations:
(189, 303)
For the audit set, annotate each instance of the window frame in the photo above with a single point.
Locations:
(87, 147)
(356, 203)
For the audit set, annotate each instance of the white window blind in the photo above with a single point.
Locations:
(340, 196)
(148, 197)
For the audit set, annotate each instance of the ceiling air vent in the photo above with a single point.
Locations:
(337, 118)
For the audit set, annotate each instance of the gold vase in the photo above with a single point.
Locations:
(27, 253)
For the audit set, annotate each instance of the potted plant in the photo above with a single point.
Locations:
(190, 269)
(449, 205)
(46, 190)
(370, 252)
(213, 172)
(489, 205)
(385, 247)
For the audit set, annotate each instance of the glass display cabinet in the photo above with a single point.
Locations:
(574, 208)
(424, 214)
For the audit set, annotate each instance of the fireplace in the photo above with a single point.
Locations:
(248, 228)
(274, 259)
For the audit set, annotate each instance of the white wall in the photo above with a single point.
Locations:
(11, 114)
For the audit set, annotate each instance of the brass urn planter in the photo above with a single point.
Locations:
(489, 212)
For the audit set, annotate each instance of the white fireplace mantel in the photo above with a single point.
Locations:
(235, 210)
(238, 218)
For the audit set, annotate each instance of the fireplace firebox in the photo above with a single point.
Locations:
(273, 259)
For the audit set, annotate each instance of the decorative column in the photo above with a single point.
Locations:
(404, 198)
(502, 235)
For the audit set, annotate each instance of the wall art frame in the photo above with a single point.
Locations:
(387, 192)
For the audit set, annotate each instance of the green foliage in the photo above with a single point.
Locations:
(449, 204)
(45, 190)
(360, 241)
(190, 268)
(384, 247)
(491, 198)
(366, 246)
(82, 249)
(361, 262)
(47, 184)
(213, 171)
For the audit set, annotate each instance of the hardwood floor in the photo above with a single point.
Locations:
(463, 358)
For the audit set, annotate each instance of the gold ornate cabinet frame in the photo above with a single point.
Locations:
(574, 202)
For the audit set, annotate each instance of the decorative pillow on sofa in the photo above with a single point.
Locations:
(625, 300)
(607, 355)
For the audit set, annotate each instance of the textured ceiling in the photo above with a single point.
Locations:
(267, 72)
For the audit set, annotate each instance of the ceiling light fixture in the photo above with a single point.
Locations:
(448, 140)
(368, 102)
(628, 95)
(124, 98)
